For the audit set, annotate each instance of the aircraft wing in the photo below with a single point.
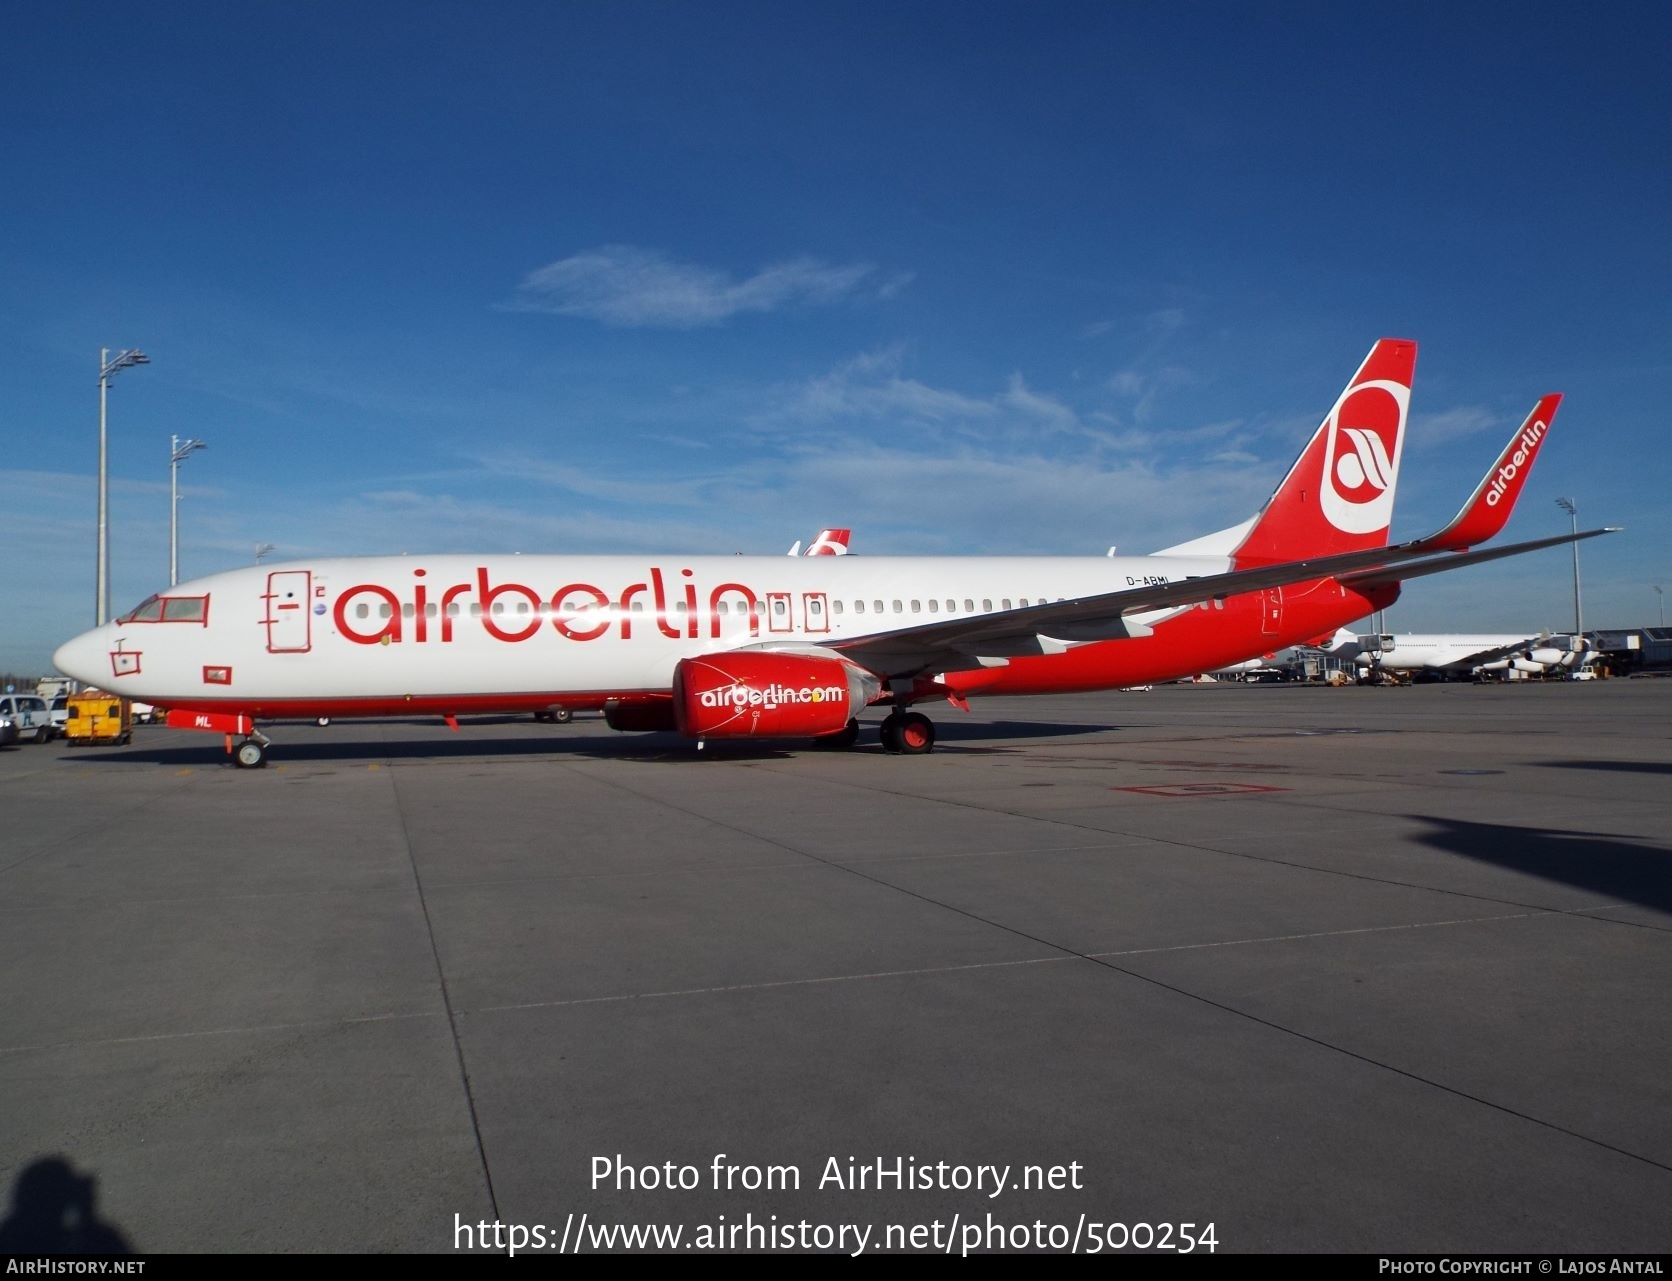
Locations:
(957, 644)
(1491, 654)
(1457, 560)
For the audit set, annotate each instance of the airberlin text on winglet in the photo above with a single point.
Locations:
(1526, 447)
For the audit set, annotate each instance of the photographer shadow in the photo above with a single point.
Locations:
(53, 1212)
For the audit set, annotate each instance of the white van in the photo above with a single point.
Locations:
(31, 713)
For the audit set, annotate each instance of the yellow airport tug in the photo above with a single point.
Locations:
(97, 717)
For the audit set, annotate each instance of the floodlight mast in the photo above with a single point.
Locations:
(1572, 509)
(178, 449)
(108, 369)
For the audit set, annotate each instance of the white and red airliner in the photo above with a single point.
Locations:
(778, 646)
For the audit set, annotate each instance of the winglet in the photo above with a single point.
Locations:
(1487, 511)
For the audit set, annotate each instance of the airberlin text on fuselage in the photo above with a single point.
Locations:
(578, 611)
(1525, 448)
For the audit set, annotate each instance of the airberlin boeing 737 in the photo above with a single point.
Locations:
(776, 646)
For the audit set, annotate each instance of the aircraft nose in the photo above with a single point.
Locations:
(85, 657)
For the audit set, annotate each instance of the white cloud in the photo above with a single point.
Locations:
(1053, 413)
(632, 287)
(870, 387)
(1451, 424)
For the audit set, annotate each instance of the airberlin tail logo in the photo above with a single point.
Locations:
(1367, 464)
(1361, 456)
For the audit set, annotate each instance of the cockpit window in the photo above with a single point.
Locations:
(184, 609)
(170, 609)
(151, 611)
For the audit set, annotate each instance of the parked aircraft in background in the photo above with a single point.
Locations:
(1455, 654)
(741, 647)
(830, 542)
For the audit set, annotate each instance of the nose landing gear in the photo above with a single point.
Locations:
(252, 752)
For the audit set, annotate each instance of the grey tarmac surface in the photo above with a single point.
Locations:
(1332, 970)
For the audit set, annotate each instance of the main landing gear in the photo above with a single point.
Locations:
(903, 734)
(908, 733)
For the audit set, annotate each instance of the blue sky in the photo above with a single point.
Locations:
(967, 277)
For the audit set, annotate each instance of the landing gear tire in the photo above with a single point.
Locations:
(916, 734)
(249, 754)
(908, 734)
(842, 739)
(889, 733)
(562, 715)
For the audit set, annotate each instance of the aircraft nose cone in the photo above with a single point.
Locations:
(85, 657)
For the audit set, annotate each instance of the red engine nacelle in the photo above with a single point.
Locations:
(760, 695)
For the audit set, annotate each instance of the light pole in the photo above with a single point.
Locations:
(178, 449)
(1661, 592)
(108, 369)
(1572, 509)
